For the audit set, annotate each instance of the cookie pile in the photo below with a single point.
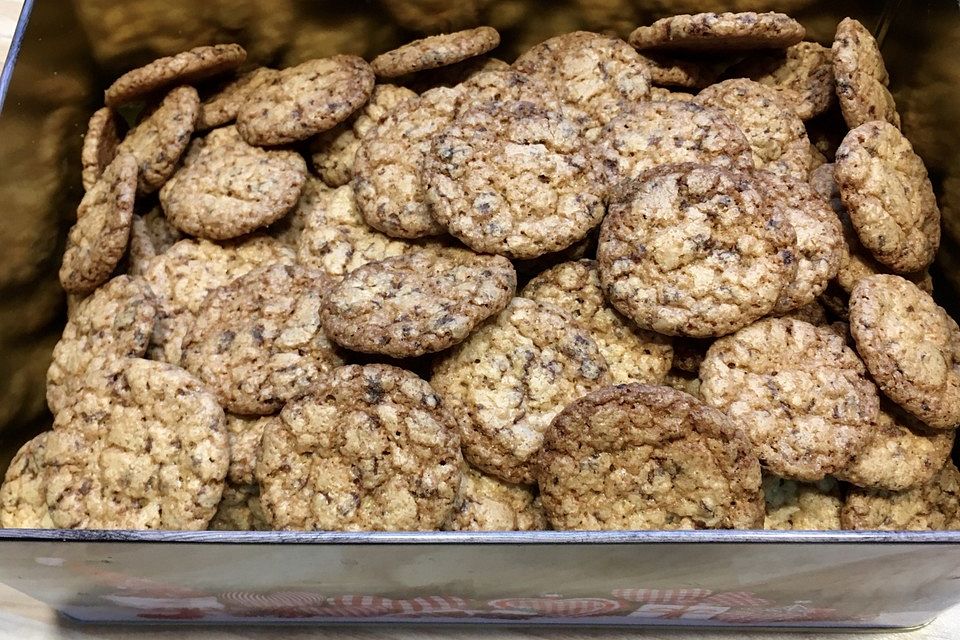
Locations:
(675, 282)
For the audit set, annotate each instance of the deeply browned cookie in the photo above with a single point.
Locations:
(301, 101)
(646, 457)
(228, 188)
(510, 378)
(418, 303)
(861, 76)
(257, 342)
(694, 251)
(222, 107)
(99, 238)
(371, 447)
(934, 506)
(182, 68)
(486, 503)
(23, 495)
(719, 32)
(792, 505)
(911, 347)
(435, 51)
(104, 133)
(799, 393)
(885, 188)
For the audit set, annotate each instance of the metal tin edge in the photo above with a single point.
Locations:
(14, 52)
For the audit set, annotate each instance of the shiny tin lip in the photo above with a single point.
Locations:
(7, 72)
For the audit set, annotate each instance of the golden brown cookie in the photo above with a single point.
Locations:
(486, 503)
(435, 51)
(934, 506)
(371, 448)
(221, 108)
(150, 235)
(104, 133)
(646, 457)
(257, 342)
(23, 495)
(634, 355)
(911, 347)
(861, 76)
(719, 32)
(693, 250)
(510, 378)
(800, 506)
(418, 303)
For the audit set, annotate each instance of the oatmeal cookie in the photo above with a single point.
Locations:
(104, 133)
(646, 457)
(800, 394)
(435, 51)
(634, 355)
(304, 100)
(222, 107)
(861, 76)
(150, 235)
(147, 451)
(183, 68)
(418, 303)
(257, 342)
(371, 448)
(911, 347)
(695, 251)
(485, 503)
(934, 506)
(23, 495)
(510, 378)
(228, 188)
(719, 32)
(99, 238)
(801, 506)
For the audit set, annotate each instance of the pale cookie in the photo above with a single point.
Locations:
(934, 506)
(885, 188)
(228, 188)
(696, 251)
(304, 100)
(418, 303)
(333, 151)
(799, 393)
(649, 134)
(900, 454)
(510, 378)
(803, 73)
(861, 76)
(114, 323)
(182, 277)
(435, 51)
(634, 355)
(646, 457)
(239, 510)
(150, 235)
(911, 347)
(99, 238)
(514, 178)
(388, 168)
(257, 342)
(148, 452)
(104, 133)
(775, 132)
(371, 448)
(485, 503)
(800, 506)
(222, 107)
(719, 32)
(23, 495)
(504, 85)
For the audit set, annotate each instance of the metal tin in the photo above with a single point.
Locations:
(61, 55)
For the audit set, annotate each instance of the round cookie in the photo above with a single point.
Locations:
(257, 342)
(505, 85)
(800, 506)
(239, 510)
(228, 188)
(719, 32)
(435, 51)
(861, 76)
(485, 503)
(388, 166)
(23, 495)
(104, 133)
(775, 132)
(885, 188)
(634, 355)
(99, 238)
(647, 457)
(148, 451)
(158, 141)
(696, 251)
(911, 347)
(510, 378)
(930, 507)
(900, 454)
(150, 235)
(371, 448)
(183, 68)
(304, 100)
(221, 108)
(112, 324)
(514, 178)
(649, 134)
(418, 303)
(799, 393)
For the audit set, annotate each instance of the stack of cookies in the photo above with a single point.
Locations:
(675, 283)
